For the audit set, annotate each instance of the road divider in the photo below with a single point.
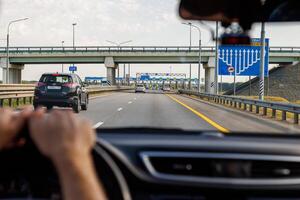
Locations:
(202, 116)
(13, 95)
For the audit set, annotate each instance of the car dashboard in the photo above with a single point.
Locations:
(158, 164)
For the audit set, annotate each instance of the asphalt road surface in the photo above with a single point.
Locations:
(159, 110)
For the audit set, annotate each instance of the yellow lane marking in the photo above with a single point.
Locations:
(208, 120)
(99, 96)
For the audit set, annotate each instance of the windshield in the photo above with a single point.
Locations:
(145, 66)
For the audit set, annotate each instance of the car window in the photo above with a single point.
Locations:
(75, 79)
(55, 79)
(79, 80)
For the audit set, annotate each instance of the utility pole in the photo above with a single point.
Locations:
(262, 63)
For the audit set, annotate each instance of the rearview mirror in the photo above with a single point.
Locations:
(244, 12)
(237, 16)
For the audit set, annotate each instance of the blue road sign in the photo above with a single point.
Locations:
(93, 78)
(72, 68)
(145, 77)
(242, 60)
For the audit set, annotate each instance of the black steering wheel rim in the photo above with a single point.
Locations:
(28, 164)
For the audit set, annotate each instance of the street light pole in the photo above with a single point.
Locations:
(262, 63)
(129, 72)
(118, 75)
(124, 72)
(62, 65)
(190, 80)
(216, 83)
(74, 24)
(190, 73)
(200, 52)
(200, 60)
(7, 46)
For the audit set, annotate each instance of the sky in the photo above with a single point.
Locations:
(145, 22)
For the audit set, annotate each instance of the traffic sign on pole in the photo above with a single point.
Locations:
(73, 68)
(244, 59)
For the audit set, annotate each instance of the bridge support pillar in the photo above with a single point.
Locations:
(210, 75)
(111, 75)
(15, 72)
(111, 67)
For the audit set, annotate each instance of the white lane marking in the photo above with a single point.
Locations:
(134, 98)
(130, 102)
(119, 109)
(98, 125)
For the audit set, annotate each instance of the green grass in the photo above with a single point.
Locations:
(297, 102)
(268, 98)
(278, 116)
(14, 103)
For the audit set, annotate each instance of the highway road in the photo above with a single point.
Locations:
(159, 110)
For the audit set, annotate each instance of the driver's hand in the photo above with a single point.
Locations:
(11, 123)
(61, 134)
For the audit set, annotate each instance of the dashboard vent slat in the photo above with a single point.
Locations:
(214, 165)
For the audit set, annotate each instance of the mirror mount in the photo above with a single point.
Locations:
(235, 35)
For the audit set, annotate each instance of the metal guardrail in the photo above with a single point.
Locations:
(16, 87)
(22, 93)
(243, 103)
(82, 49)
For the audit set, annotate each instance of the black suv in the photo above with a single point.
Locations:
(63, 90)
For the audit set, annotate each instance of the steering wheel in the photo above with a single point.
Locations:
(27, 174)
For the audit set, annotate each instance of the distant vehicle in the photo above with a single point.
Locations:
(63, 90)
(166, 88)
(140, 88)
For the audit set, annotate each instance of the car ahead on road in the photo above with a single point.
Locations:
(140, 88)
(63, 90)
(166, 89)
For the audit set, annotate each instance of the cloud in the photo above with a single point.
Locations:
(145, 22)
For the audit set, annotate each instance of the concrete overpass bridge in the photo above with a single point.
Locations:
(113, 56)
